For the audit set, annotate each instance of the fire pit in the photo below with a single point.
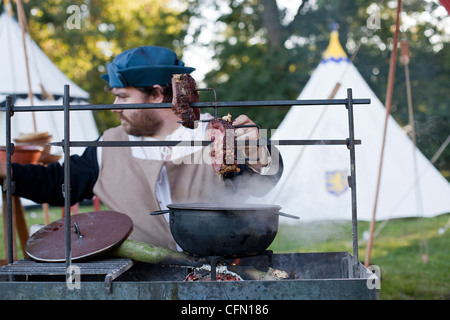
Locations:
(324, 275)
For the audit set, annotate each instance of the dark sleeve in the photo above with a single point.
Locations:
(43, 184)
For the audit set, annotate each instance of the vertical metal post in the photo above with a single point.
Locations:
(352, 178)
(9, 147)
(66, 186)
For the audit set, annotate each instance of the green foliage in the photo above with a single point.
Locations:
(106, 28)
(272, 58)
(263, 52)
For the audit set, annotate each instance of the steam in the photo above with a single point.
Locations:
(311, 236)
(237, 189)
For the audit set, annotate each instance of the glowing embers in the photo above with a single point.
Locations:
(222, 274)
(257, 267)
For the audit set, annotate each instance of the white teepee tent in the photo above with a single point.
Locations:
(314, 183)
(43, 74)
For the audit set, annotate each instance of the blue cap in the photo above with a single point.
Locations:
(144, 66)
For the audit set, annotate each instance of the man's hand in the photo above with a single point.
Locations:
(250, 152)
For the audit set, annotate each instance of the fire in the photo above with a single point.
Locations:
(236, 262)
(207, 277)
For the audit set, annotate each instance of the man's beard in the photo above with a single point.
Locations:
(142, 123)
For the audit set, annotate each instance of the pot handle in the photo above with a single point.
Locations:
(288, 215)
(154, 213)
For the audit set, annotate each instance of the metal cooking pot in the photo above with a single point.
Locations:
(231, 230)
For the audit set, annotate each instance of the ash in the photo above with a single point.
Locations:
(203, 273)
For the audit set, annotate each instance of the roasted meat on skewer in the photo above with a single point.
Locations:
(221, 132)
(183, 87)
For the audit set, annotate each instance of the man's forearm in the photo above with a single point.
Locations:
(43, 184)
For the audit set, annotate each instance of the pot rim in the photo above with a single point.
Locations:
(211, 206)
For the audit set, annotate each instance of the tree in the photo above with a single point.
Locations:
(262, 51)
(263, 55)
(81, 36)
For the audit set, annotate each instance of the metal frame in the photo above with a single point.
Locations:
(10, 109)
(317, 276)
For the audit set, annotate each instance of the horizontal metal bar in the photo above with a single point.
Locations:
(220, 104)
(179, 143)
(198, 143)
(310, 142)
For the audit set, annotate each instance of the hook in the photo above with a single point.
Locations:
(76, 230)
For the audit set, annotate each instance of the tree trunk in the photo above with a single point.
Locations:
(271, 21)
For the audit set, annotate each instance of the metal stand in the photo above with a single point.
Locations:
(352, 181)
(66, 144)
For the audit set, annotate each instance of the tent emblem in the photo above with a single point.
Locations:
(336, 182)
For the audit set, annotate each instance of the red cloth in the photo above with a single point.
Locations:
(446, 4)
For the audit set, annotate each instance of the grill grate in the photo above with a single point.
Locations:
(110, 267)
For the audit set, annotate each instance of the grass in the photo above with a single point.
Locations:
(397, 250)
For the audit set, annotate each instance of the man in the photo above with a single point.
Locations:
(139, 180)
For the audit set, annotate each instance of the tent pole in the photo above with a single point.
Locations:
(21, 15)
(389, 90)
(404, 58)
(440, 150)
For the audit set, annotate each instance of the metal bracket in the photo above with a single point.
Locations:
(114, 274)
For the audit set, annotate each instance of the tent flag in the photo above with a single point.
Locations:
(47, 84)
(314, 185)
(446, 4)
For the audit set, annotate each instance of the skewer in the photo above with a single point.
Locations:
(203, 143)
(198, 143)
(214, 104)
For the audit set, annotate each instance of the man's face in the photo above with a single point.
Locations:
(137, 122)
